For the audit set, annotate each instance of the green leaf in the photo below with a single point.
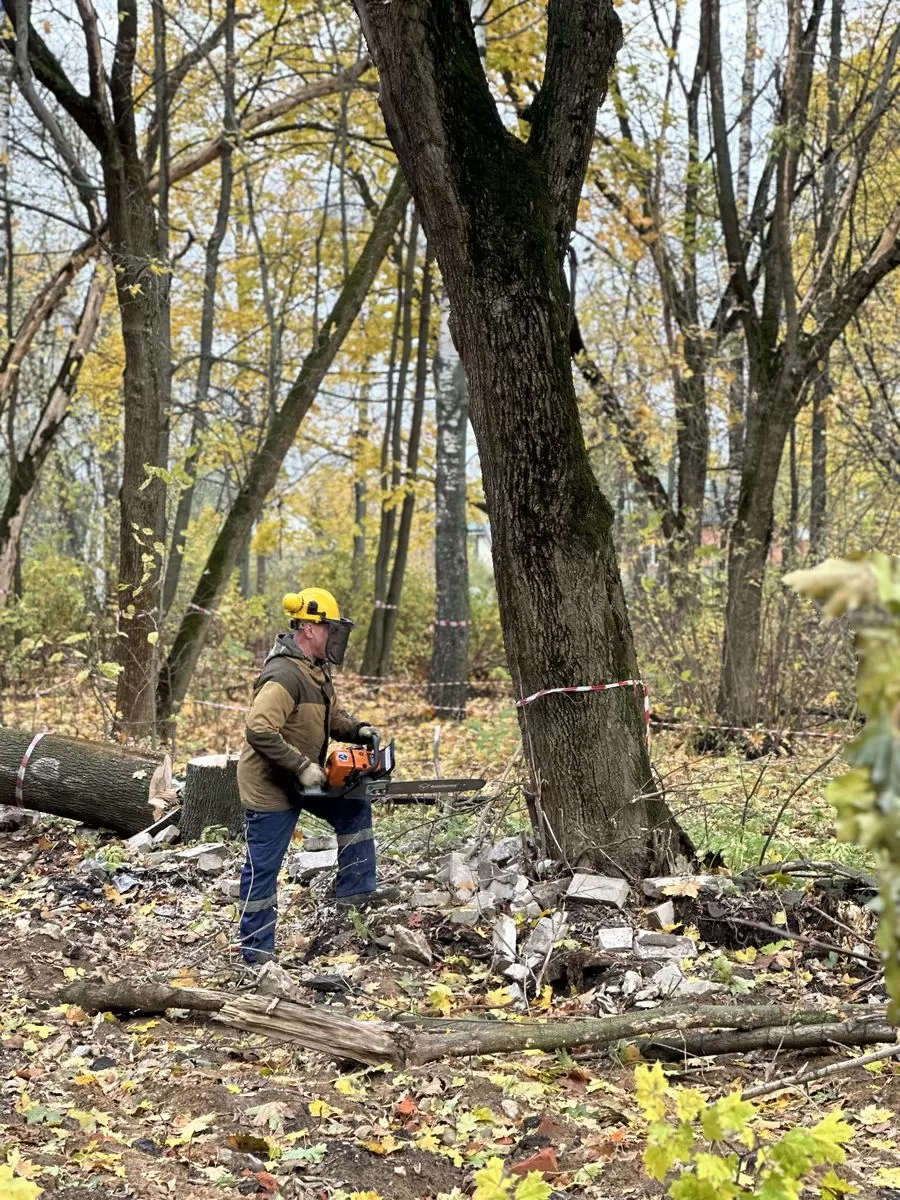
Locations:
(533, 1187)
(727, 1116)
(650, 1087)
(12, 1187)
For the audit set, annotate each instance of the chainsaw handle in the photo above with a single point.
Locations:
(374, 748)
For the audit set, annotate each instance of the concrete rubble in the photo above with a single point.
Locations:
(598, 889)
(504, 939)
(411, 943)
(662, 917)
(308, 863)
(667, 946)
(617, 939)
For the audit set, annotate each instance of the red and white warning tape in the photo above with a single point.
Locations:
(23, 767)
(450, 624)
(206, 612)
(637, 684)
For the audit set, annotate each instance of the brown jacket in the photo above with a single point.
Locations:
(292, 716)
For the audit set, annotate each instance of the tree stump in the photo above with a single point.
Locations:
(210, 796)
(94, 782)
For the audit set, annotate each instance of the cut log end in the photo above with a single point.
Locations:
(211, 796)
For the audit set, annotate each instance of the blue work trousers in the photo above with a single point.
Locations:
(268, 837)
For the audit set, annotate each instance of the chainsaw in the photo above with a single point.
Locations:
(359, 773)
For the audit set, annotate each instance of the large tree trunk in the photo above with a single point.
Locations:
(142, 286)
(450, 654)
(768, 423)
(214, 578)
(93, 782)
(498, 215)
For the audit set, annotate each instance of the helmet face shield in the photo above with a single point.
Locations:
(338, 636)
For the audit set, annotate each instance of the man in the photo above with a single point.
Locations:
(291, 719)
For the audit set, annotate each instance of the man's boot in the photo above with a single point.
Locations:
(381, 895)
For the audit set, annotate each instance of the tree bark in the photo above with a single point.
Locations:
(448, 687)
(122, 995)
(360, 505)
(818, 483)
(853, 1032)
(498, 214)
(91, 782)
(210, 796)
(768, 422)
(263, 473)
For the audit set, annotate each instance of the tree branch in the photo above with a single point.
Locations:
(728, 210)
(49, 72)
(632, 439)
(120, 81)
(883, 258)
(583, 38)
(209, 151)
(881, 101)
(175, 78)
(94, 50)
(26, 51)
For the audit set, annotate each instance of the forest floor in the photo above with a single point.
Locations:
(177, 1104)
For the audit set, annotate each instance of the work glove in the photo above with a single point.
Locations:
(312, 777)
(367, 734)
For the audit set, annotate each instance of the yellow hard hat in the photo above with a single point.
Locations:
(312, 604)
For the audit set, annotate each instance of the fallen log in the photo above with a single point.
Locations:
(323, 1029)
(859, 1032)
(336, 1032)
(210, 796)
(93, 782)
(494, 1037)
(122, 996)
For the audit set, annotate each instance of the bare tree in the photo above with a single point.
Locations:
(774, 301)
(797, 264)
(208, 315)
(450, 654)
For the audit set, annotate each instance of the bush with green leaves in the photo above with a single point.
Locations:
(715, 1150)
(867, 797)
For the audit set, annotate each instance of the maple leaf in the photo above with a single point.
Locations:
(274, 1114)
(321, 1108)
(188, 1131)
(14, 1187)
(388, 1145)
(684, 887)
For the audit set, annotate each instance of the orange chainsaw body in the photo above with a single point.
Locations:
(341, 765)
